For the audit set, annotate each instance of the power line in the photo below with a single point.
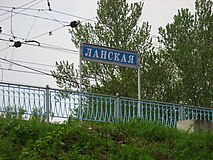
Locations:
(86, 19)
(4, 48)
(18, 7)
(21, 10)
(48, 32)
(16, 70)
(31, 67)
(56, 11)
(27, 62)
(30, 15)
(58, 49)
(53, 18)
(41, 72)
(27, 67)
(31, 26)
(46, 46)
(30, 9)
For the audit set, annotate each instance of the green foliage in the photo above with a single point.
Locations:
(188, 52)
(66, 75)
(91, 140)
(116, 28)
(179, 71)
(13, 112)
(37, 114)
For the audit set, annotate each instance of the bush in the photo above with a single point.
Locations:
(91, 140)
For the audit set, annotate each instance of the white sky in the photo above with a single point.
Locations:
(156, 12)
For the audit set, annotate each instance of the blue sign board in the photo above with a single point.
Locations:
(109, 55)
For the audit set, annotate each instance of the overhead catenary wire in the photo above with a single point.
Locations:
(58, 49)
(30, 15)
(34, 63)
(44, 73)
(4, 48)
(18, 7)
(86, 19)
(41, 69)
(47, 46)
(45, 33)
(27, 67)
(21, 10)
(56, 11)
(53, 18)
(16, 70)
(31, 26)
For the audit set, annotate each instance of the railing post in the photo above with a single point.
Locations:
(181, 113)
(139, 109)
(80, 104)
(47, 103)
(118, 106)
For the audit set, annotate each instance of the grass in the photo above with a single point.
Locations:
(85, 140)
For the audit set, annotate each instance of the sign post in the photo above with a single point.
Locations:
(112, 56)
(80, 85)
(139, 87)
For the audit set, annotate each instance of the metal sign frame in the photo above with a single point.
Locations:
(106, 55)
(116, 54)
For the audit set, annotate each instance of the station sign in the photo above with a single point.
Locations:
(108, 55)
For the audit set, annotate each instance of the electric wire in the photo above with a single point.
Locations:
(34, 63)
(27, 67)
(16, 70)
(4, 48)
(29, 9)
(86, 19)
(53, 18)
(12, 56)
(41, 69)
(59, 12)
(45, 33)
(31, 26)
(30, 68)
(44, 73)
(11, 23)
(58, 49)
(47, 46)
(30, 15)
(21, 11)
(17, 7)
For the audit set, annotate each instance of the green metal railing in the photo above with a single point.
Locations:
(56, 104)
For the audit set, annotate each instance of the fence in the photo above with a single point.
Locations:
(56, 104)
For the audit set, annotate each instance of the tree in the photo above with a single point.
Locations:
(188, 53)
(116, 26)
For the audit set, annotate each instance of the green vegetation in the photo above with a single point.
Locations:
(179, 70)
(34, 139)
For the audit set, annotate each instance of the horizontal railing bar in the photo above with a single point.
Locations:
(22, 85)
(96, 107)
(105, 95)
(164, 103)
(62, 90)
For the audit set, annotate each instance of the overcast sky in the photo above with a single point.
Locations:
(32, 22)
